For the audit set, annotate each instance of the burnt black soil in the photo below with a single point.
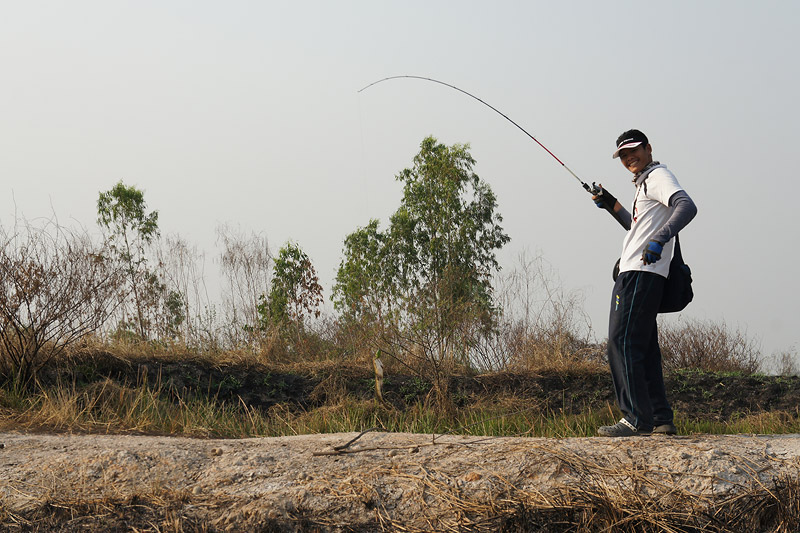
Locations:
(695, 394)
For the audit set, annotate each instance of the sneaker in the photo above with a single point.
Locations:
(666, 429)
(623, 428)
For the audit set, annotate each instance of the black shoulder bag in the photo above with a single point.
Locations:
(678, 288)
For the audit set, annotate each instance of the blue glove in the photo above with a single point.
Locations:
(652, 252)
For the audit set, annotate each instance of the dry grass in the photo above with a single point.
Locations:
(109, 407)
(153, 407)
(157, 511)
(599, 497)
(707, 345)
(604, 499)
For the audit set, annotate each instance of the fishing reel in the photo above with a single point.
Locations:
(594, 190)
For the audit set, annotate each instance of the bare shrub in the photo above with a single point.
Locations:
(356, 339)
(56, 287)
(182, 267)
(707, 345)
(785, 362)
(433, 352)
(246, 264)
(542, 323)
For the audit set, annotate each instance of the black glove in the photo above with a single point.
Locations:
(604, 199)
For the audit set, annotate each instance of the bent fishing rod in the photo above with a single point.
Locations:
(592, 189)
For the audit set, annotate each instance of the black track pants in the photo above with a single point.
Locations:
(633, 351)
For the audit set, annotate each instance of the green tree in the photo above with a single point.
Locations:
(296, 292)
(123, 212)
(364, 281)
(429, 275)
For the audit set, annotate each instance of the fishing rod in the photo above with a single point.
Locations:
(593, 189)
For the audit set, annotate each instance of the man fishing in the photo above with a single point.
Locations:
(661, 208)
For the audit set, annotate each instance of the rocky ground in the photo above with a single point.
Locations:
(381, 481)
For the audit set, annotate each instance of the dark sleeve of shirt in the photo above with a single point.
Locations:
(624, 218)
(683, 211)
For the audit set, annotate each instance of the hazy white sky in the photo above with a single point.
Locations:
(247, 113)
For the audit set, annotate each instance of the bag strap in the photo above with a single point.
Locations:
(677, 253)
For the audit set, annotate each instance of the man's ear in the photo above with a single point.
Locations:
(649, 149)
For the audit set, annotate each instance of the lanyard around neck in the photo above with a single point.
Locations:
(646, 170)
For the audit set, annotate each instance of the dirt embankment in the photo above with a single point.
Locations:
(381, 481)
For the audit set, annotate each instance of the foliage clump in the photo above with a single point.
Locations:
(423, 286)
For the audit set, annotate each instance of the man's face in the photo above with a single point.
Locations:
(635, 159)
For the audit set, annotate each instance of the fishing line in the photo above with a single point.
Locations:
(363, 163)
(591, 189)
